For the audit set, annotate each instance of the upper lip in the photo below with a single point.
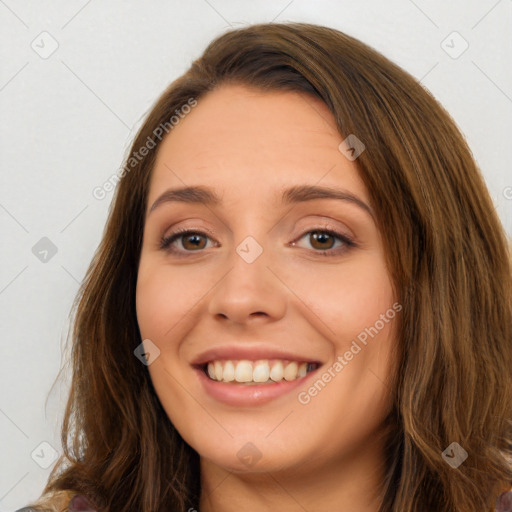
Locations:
(251, 353)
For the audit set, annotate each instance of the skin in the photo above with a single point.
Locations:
(248, 145)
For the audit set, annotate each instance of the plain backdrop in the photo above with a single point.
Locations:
(76, 78)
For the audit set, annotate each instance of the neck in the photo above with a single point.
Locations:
(349, 484)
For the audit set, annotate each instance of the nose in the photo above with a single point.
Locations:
(250, 293)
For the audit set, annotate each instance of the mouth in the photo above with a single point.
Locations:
(258, 372)
(243, 376)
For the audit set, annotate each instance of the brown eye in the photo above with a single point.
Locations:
(193, 241)
(321, 240)
(185, 241)
(325, 242)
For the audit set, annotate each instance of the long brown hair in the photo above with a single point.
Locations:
(446, 253)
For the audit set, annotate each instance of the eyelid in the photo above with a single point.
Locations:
(325, 226)
(186, 229)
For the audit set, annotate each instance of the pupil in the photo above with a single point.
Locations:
(194, 240)
(322, 238)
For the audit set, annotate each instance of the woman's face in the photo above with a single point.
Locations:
(283, 273)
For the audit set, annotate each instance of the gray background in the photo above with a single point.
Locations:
(68, 118)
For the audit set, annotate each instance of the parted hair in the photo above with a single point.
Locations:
(447, 256)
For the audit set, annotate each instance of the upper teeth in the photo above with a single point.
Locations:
(257, 371)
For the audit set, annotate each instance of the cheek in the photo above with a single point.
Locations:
(346, 298)
(164, 296)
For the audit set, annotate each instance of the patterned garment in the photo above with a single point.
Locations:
(504, 502)
(79, 503)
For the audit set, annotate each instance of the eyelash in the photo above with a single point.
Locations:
(166, 241)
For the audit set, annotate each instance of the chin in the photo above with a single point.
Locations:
(245, 456)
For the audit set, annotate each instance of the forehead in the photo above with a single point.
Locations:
(254, 141)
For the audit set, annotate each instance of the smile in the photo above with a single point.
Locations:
(262, 371)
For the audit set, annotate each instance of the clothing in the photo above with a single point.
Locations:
(79, 503)
(504, 502)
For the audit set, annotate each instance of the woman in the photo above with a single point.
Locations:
(302, 299)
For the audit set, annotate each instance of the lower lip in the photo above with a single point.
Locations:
(246, 395)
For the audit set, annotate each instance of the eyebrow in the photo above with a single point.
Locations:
(292, 195)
